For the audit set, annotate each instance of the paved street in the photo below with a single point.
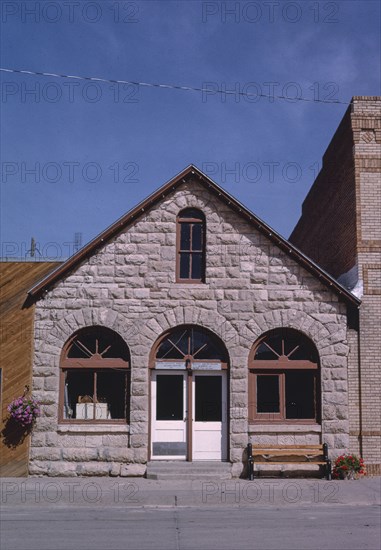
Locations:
(98, 514)
(162, 528)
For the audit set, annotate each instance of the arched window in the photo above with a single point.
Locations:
(190, 347)
(283, 378)
(94, 385)
(190, 260)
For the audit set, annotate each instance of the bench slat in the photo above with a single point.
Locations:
(286, 457)
(287, 446)
(269, 462)
(286, 452)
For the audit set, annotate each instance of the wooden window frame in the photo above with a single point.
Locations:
(187, 357)
(269, 417)
(279, 367)
(96, 364)
(280, 417)
(192, 221)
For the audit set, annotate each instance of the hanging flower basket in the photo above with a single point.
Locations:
(24, 410)
(348, 467)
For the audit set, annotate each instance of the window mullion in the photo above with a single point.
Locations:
(65, 409)
(191, 237)
(188, 267)
(283, 397)
(94, 394)
(190, 249)
(126, 395)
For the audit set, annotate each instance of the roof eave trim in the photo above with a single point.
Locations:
(161, 192)
(107, 233)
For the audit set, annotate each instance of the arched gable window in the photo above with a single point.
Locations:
(190, 262)
(283, 378)
(94, 385)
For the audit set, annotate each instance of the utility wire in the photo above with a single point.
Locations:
(172, 87)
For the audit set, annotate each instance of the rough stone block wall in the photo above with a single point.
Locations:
(129, 286)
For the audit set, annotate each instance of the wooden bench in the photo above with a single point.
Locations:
(289, 454)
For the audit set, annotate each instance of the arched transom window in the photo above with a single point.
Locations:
(190, 246)
(283, 378)
(95, 377)
(190, 347)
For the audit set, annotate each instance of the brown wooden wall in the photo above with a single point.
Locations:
(16, 345)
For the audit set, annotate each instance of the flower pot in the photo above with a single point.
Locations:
(349, 474)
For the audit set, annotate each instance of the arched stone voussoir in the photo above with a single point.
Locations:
(182, 315)
(246, 336)
(219, 325)
(288, 318)
(129, 329)
(104, 317)
(59, 333)
(191, 315)
(179, 315)
(340, 349)
(337, 337)
(49, 345)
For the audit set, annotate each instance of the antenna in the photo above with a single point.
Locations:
(33, 249)
(77, 241)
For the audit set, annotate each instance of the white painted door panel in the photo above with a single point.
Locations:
(168, 416)
(209, 413)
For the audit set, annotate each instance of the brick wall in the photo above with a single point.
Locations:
(330, 208)
(354, 392)
(356, 147)
(366, 123)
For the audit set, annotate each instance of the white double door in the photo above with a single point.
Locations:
(189, 415)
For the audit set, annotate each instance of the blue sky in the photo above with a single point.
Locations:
(98, 149)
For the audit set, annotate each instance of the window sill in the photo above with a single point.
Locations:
(93, 428)
(284, 428)
(187, 284)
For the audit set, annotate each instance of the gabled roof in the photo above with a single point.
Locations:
(190, 172)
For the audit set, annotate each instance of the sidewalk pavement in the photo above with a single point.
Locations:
(144, 493)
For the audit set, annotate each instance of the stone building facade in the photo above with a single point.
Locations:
(244, 291)
(345, 202)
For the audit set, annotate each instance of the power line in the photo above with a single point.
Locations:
(173, 87)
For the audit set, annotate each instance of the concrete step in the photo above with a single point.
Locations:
(177, 469)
